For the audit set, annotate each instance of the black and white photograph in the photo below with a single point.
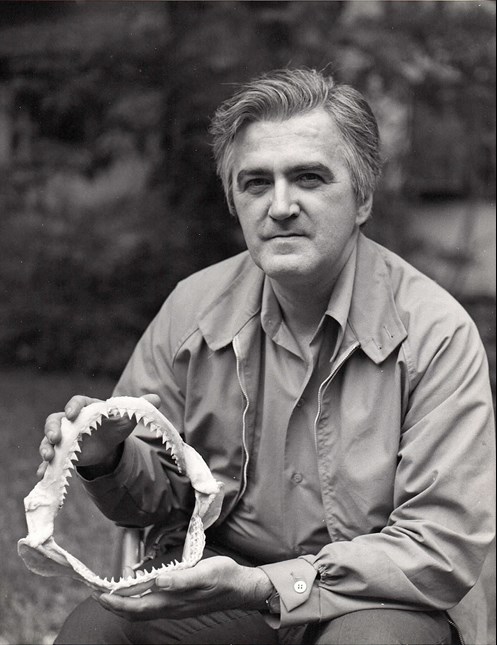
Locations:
(247, 322)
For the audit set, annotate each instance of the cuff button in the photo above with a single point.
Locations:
(300, 586)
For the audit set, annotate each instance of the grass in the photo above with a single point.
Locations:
(32, 608)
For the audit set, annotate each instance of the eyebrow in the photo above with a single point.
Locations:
(312, 167)
(251, 172)
(293, 170)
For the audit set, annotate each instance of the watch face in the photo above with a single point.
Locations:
(273, 603)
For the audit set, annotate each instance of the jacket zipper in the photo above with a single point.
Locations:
(344, 357)
(456, 629)
(323, 385)
(244, 419)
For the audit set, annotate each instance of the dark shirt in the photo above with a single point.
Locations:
(281, 515)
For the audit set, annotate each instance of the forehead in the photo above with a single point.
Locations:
(312, 136)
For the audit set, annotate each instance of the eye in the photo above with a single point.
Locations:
(309, 180)
(256, 185)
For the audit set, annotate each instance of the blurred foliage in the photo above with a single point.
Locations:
(108, 193)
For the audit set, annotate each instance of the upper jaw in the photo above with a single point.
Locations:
(40, 552)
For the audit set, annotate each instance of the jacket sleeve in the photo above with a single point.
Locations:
(432, 549)
(146, 485)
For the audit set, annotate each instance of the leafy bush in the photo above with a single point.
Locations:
(111, 196)
(78, 287)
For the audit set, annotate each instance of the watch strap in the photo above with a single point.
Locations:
(273, 603)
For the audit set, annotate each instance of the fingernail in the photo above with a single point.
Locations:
(68, 410)
(50, 436)
(164, 582)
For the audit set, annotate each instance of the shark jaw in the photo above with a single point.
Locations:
(44, 556)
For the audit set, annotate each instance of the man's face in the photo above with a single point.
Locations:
(293, 196)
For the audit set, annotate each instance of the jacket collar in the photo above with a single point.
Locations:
(226, 316)
(373, 317)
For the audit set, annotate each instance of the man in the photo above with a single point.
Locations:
(340, 396)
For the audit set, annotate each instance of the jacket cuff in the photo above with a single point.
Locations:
(299, 596)
(100, 486)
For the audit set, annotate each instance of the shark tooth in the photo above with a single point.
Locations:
(39, 550)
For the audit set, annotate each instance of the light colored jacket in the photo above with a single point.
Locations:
(404, 434)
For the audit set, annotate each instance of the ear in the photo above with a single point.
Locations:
(364, 210)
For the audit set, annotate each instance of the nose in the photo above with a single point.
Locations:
(282, 206)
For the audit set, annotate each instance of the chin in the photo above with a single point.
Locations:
(286, 267)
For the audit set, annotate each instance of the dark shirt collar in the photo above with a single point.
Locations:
(373, 319)
(337, 309)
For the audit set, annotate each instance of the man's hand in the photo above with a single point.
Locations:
(102, 450)
(214, 584)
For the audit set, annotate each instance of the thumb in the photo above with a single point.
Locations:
(180, 580)
(154, 399)
(129, 572)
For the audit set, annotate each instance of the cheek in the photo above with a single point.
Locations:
(246, 209)
(249, 214)
(249, 231)
(246, 221)
(334, 231)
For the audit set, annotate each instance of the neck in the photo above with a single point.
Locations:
(302, 308)
(303, 304)
(302, 314)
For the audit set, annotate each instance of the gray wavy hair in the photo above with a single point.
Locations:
(281, 94)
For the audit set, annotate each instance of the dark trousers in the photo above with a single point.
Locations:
(89, 623)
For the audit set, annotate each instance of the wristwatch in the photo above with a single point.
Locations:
(273, 603)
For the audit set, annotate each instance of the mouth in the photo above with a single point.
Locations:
(44, 556)
(285, 236)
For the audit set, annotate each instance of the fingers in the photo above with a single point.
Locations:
(52, 437)
(182, 593)
(187, 579)
(53, 433)
(52, 430)
(203, 576)
(41, 469)
(76, 404)
(72, 409)
(129, 572)
(154, 399)
(47, 453)
(124, 422)
(144, 608)
(46, 450)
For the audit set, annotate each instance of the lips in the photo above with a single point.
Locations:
(278, 236)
